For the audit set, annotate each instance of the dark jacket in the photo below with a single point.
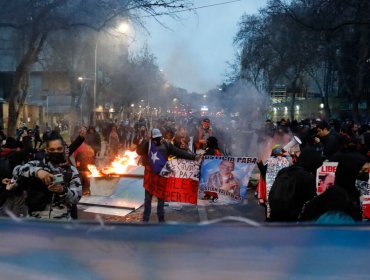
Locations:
(344, 196)
(94, 141)
(331, 144)
(304, 189)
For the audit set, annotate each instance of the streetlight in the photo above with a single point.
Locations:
(123, 28)
(81, 79)
(84, 79)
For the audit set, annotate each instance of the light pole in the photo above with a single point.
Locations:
(81, 79)
(95, 74)
(47, 109)
(122, 28)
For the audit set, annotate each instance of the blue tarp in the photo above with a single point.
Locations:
(41, 250)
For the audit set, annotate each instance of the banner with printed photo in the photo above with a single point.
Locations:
(325, 176)
(225, 179)
(177, 182)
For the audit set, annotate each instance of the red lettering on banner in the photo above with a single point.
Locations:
(328, 168)
(171, 189)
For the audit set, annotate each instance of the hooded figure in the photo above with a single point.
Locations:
(212, 147)
(294, 186)
(344, 197)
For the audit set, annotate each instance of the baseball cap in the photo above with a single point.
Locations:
(156, 133)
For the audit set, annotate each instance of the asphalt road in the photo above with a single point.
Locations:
(184, 213)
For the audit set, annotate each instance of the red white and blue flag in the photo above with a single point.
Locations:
(156, 159)
(178, 181)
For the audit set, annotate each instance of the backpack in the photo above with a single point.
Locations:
(284, 195)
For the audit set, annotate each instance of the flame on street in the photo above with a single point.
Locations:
(94, 171)
(118, 166)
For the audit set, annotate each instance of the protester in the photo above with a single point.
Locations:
(343, 197)
(183, 141)
(168, 135)
(53, 185)
(122, 134)
(204, 132)
(273, 165)
(93, 140)
(140, 136)
(328, 137)
(155, 153)
(212, 147)
(294, 186)
(11, 198)
(113, 142)
(129, 136)
(37, 137)
(84, 156)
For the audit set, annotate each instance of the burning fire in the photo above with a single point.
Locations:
(94, 171)
(118, 166)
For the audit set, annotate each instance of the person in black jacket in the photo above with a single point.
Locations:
(296, 184)
(53, 185)
(93, 140)
(329, 139)
(344, 197)
(165, 149)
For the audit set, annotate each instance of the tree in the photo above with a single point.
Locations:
(70, 62)
(323, 40)
(344, 29)
(36, 20)
(275, 49)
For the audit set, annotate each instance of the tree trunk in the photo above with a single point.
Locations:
(16, 98)
(355, 111)
(292, 106)
(361, 72)
(13, 118)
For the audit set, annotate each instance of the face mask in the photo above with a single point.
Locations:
(56, 158)
(363, 176)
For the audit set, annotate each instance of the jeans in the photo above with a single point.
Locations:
(148, 208)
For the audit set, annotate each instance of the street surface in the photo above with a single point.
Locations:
(185, 213)
(181, 213)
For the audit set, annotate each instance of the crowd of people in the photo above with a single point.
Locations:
(37, 176)
(43, 177)
(40, 178)
(288, 188)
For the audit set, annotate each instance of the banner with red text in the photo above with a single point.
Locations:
(177, 182)
(325, 176)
